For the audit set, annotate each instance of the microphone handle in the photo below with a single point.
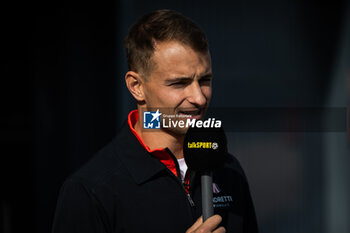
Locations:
(207, 194)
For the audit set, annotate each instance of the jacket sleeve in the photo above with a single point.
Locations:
(250, 220)
(78, 210)
(250, 224)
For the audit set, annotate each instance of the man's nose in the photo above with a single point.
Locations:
(196, 96)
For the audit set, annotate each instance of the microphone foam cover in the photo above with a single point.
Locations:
(205, 148)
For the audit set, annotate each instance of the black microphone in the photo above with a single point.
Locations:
(205, 149)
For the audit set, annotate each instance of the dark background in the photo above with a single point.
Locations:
(63, 98)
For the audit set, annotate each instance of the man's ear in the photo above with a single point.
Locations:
(134, 82)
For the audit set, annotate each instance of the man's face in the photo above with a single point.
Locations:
(180, 82)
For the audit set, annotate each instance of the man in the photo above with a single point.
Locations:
(140, 182)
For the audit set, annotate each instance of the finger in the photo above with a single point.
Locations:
(211, 223)
(220, 230)
(195, 225)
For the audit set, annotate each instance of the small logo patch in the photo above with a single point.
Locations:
(215, 145)
(216, 188)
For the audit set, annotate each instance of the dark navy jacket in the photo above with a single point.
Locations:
(123, 188)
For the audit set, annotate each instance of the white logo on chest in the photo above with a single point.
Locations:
(220, 201)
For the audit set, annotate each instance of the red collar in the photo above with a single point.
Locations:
(159, 153)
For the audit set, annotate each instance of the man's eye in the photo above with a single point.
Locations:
(205, 80)
(178, 84)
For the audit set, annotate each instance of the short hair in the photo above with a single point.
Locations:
(160, 26)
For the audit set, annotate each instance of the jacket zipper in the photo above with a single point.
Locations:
(190, 200)
(188, 195)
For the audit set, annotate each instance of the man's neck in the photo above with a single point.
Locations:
(161, 139)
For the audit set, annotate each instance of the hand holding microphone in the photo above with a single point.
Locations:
(205, 149)
(211, 225)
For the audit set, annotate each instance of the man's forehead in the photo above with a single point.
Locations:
(182, 72)
(180, 58)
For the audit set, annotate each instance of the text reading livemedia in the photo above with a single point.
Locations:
(153, 120)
